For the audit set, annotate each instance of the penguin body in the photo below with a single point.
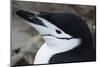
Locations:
(67, 37)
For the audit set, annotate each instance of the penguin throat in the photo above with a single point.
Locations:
(61, 44)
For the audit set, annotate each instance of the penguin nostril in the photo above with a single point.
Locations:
(30, 18)
(58, 31)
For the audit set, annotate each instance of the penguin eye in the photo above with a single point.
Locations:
(58, 31)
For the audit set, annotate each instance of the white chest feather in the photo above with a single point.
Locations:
(44, 54)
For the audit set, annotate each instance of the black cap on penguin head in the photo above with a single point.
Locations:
(72, 25)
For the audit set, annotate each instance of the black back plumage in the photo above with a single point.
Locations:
(75, 26)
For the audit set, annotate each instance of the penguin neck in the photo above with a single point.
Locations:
(44, 54)
(52, 47)
(48, 49)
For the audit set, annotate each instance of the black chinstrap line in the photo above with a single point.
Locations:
(56, 37)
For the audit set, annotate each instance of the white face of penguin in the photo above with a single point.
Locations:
(55, 37)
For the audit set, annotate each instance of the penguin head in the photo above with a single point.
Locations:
(59, 30)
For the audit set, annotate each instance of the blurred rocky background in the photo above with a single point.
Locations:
(25, 40)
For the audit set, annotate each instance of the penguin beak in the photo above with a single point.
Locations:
(25, 14)
(31, 17)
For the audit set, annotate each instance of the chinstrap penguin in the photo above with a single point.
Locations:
(67, 37)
